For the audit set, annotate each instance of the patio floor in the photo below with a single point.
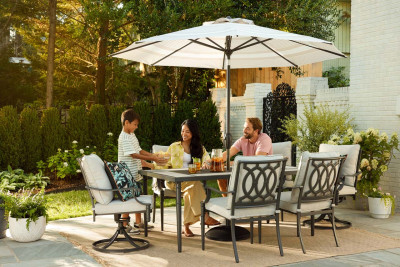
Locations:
(375, 242)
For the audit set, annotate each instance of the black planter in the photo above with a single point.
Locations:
(3, 222)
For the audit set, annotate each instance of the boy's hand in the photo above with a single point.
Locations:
(160, 159)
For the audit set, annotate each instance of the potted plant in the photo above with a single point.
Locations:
(376, 153)
(27, 220)
(380, 204)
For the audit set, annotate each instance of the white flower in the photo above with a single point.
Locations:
(87, 146)
(331, 142)
(74, 142)
(384, 168)
(357, 138)
(373, 132)
(364, 163)
(388, 194)
(110, 134)
(94, 147)
(384, 137)
(368, 168)
(350, 132)
(82, 151)
(78, 171)
(374, 164)
(374, 189)
(59, 150)
(65, 164)
(66, 151)
(335, 137)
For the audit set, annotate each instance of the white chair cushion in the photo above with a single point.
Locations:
(96, 176)
(349, 166)
(284, 149)
(288, 204)
(218, 205)
(242, 172)
(155, 149)
(305, 156)
(158, 148)
(129, 206)
(347, 190)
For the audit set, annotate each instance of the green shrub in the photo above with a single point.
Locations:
(316, 127)
(78, 125)
(114, 120)
(162, 124)
(53, 132)
(11, 148)
(110, 149)
(15, 180)
(336, 77)
(98, 125)
(183, 111)
(30, 129)
(145, 131)
(209, 125)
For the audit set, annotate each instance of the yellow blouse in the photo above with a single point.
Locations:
(176, 160)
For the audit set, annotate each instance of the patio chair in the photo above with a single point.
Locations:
(103, 203)
(314, 189)
(253, 195)
(159, 189)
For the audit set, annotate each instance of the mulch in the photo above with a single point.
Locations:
(58, 185)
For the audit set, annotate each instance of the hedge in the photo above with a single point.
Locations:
(162, 125)
(145, 131)
(78, 125)
(183, 112)
(114, 120)
(98, 125)
(53, 132)
(30, 127)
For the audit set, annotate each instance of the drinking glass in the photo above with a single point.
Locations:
(192, 168)
(197, 162)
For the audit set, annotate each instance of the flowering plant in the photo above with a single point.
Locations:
(378, 193)
(376, 152)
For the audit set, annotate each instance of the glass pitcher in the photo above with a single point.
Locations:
(217, 164)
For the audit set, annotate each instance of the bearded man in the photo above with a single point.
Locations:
(253, 142)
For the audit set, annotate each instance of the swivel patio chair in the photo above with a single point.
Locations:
(314, 189)
(103, 203)
(253, 195)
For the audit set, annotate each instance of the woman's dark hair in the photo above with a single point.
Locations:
(196, 148)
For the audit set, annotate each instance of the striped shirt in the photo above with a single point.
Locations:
(128, 144)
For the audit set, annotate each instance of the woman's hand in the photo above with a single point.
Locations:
(160, 159)
(207, 164)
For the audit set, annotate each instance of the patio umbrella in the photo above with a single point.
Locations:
(229, 44)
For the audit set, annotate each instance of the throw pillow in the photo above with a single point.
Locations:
(120, 178)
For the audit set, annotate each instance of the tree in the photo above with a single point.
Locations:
(50, 52)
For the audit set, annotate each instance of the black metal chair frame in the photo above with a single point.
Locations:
(104, 244)
(266, 195)
(318, 191)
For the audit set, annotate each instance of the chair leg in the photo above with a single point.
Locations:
(334, 227)
(312, 225)
(278, 234)
(259, 231)
(282, 215)
(162, 209)
(154, 206)
(251, 232)
(234, 240)
(202, 221)
(299, 232)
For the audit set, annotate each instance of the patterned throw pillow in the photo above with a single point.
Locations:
(120, 178)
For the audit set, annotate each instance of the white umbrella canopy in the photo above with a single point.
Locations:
(229, 43)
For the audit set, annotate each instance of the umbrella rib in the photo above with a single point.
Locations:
(242, 46)
(171, 53)
(210, 46)
(134, 48)
(325, 50)
(279, 54)
(212, 41)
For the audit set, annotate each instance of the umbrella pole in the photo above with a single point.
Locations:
(228, 137)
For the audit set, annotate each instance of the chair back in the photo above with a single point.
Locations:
(158, 148)
(351, 163)
(255, 180)
(318, 175)
(157, 184)
(284, 149)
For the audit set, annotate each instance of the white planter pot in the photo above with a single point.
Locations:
(378, 209)
(19, 232)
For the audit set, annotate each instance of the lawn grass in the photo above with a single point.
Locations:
(77, 203)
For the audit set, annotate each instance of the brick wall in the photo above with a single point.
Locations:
(375, 74)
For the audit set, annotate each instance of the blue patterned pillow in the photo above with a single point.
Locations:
(120, 178)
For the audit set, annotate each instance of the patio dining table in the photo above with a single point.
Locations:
(182, 175)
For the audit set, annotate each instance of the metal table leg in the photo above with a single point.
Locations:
(179, 215)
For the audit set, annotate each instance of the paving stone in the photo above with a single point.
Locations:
(65, 261)
(46, 251)
(7, 259)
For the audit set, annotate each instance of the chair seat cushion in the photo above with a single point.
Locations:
(347, 190)
(286, 203)
(219, 206)
(119, 206)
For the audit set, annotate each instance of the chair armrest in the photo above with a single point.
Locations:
(103, 189)
(208, 192)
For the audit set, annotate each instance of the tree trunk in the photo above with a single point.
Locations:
(51, 52)
(101, 63)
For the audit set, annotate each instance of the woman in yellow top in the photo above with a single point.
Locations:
(182, 153)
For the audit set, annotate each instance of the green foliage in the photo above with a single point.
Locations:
(53, 132)
(11, 148)
(316, 127)
(209, 125)
(110, 149)
(78, 125)
(336, 77)
(69, 205)
(376, 153)
(15, 180)
(30, 129)
(114, 119)
(98, 125)
(26, 205)
(184, 111)
(162, 125)
(145, 131)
